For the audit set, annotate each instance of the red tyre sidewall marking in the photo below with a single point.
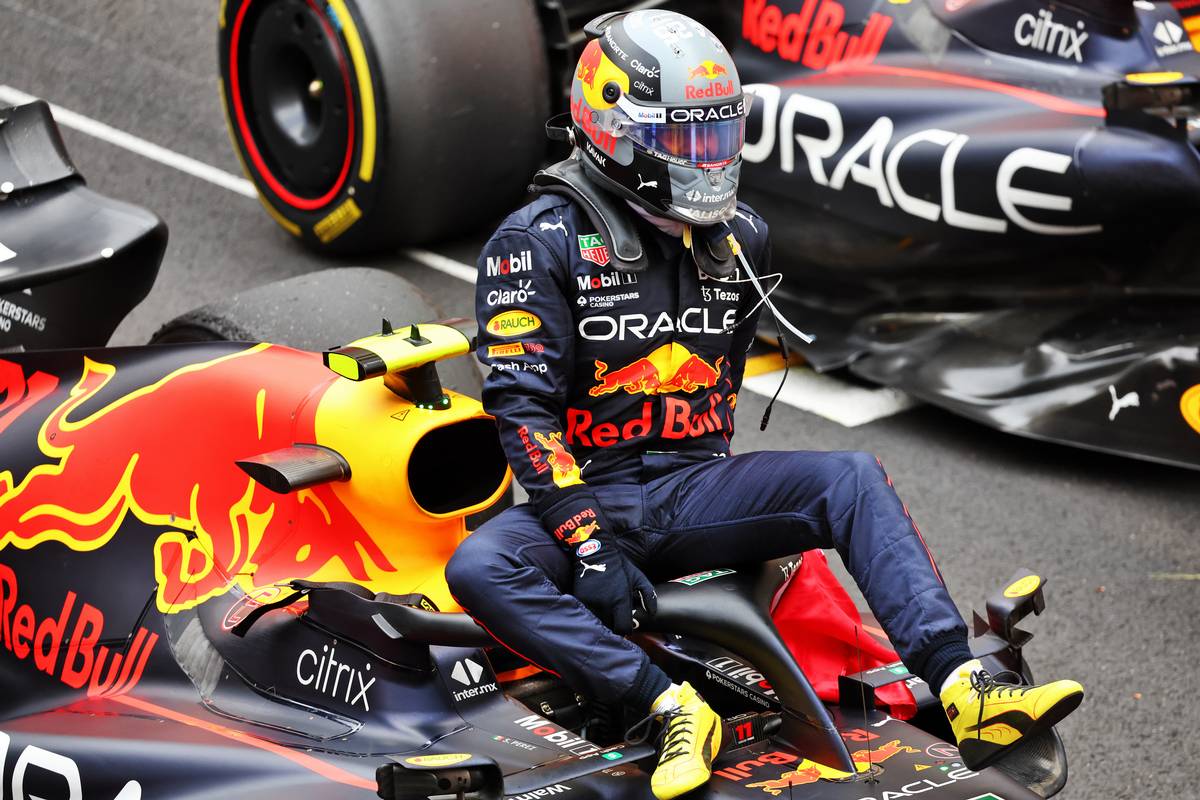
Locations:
(301, 203)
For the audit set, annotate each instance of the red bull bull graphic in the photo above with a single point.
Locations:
(668, 369)
(808, 771)
(589, 63)
(21, 393)
(566, 471)
(709, 70)
(583, 534)
(67, 646)
(577, 525)
(164, 455)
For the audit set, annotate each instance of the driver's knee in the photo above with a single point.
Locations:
(860, 469)
(477, 571)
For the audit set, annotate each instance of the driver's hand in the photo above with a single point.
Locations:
(605, 580)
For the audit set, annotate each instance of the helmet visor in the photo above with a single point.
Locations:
(698, 144)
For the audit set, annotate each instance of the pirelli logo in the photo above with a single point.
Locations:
(506, 350)
(338, 221)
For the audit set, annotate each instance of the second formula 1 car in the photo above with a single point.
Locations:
(987, 203)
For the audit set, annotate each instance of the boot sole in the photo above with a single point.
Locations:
(977, 754)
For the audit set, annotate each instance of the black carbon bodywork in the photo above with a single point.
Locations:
(72, 262)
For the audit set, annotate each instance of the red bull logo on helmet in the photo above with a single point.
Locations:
(589, 63)
(709, 70)
(716, 89)
(670, 368)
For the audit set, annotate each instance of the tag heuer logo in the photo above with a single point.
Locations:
(593, 249)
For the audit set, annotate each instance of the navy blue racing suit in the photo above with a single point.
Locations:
(627, 384)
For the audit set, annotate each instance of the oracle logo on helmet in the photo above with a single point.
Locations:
(709, 113)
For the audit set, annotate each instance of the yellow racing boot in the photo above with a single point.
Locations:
(989, 717)
(690, 739)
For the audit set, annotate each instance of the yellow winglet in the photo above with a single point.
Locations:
(397, 351)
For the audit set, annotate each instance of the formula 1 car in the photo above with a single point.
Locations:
(986, 203)
(221, 575)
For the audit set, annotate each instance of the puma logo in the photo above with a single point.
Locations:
(586, 566)
(558, 226)
(1130, 400)
(643, 184)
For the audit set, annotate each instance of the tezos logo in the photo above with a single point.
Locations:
(521, 262)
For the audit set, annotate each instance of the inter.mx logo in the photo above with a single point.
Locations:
(470, 674)
(1171, 39)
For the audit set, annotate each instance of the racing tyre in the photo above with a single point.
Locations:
(323, 309)
(367, 124)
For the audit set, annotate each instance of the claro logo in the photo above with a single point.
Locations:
(81, 662)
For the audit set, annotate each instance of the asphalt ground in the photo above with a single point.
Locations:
(1104, 531)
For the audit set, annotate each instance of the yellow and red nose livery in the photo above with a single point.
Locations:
(162, 455)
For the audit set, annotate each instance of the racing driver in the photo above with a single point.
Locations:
(615, 311)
